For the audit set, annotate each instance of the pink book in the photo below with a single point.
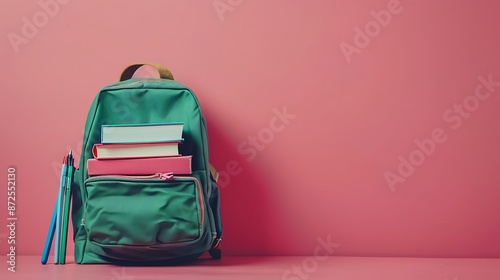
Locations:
(140, 166)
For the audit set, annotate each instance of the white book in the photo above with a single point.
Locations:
(141, 133)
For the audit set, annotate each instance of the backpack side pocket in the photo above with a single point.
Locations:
(214, 203)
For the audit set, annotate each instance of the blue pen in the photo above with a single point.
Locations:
(59, 204)
(50, 236)
(66, 207)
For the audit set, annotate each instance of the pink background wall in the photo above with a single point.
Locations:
(357, 101)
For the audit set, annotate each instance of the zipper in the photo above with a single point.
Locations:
(157, 176)
(130, 84)
(137, 83)
(162, 176)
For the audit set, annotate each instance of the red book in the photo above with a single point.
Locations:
(141, 150)
(179, 165)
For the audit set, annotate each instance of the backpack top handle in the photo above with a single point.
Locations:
(130, 70)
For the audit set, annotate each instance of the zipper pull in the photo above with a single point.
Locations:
(165, 176)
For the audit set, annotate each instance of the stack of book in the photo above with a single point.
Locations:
(139, 149)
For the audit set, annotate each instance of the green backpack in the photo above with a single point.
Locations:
(124, 219)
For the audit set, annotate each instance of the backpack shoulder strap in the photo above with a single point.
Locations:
(213, 172)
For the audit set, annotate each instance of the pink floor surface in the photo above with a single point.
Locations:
(296, 268)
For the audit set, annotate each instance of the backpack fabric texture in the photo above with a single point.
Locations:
(140, 220)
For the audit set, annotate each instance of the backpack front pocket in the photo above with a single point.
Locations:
(130, 215)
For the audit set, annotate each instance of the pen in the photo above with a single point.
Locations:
(59, 209)
(50, 236)
(67, 203)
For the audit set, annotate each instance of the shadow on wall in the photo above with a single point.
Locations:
(248, 213)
